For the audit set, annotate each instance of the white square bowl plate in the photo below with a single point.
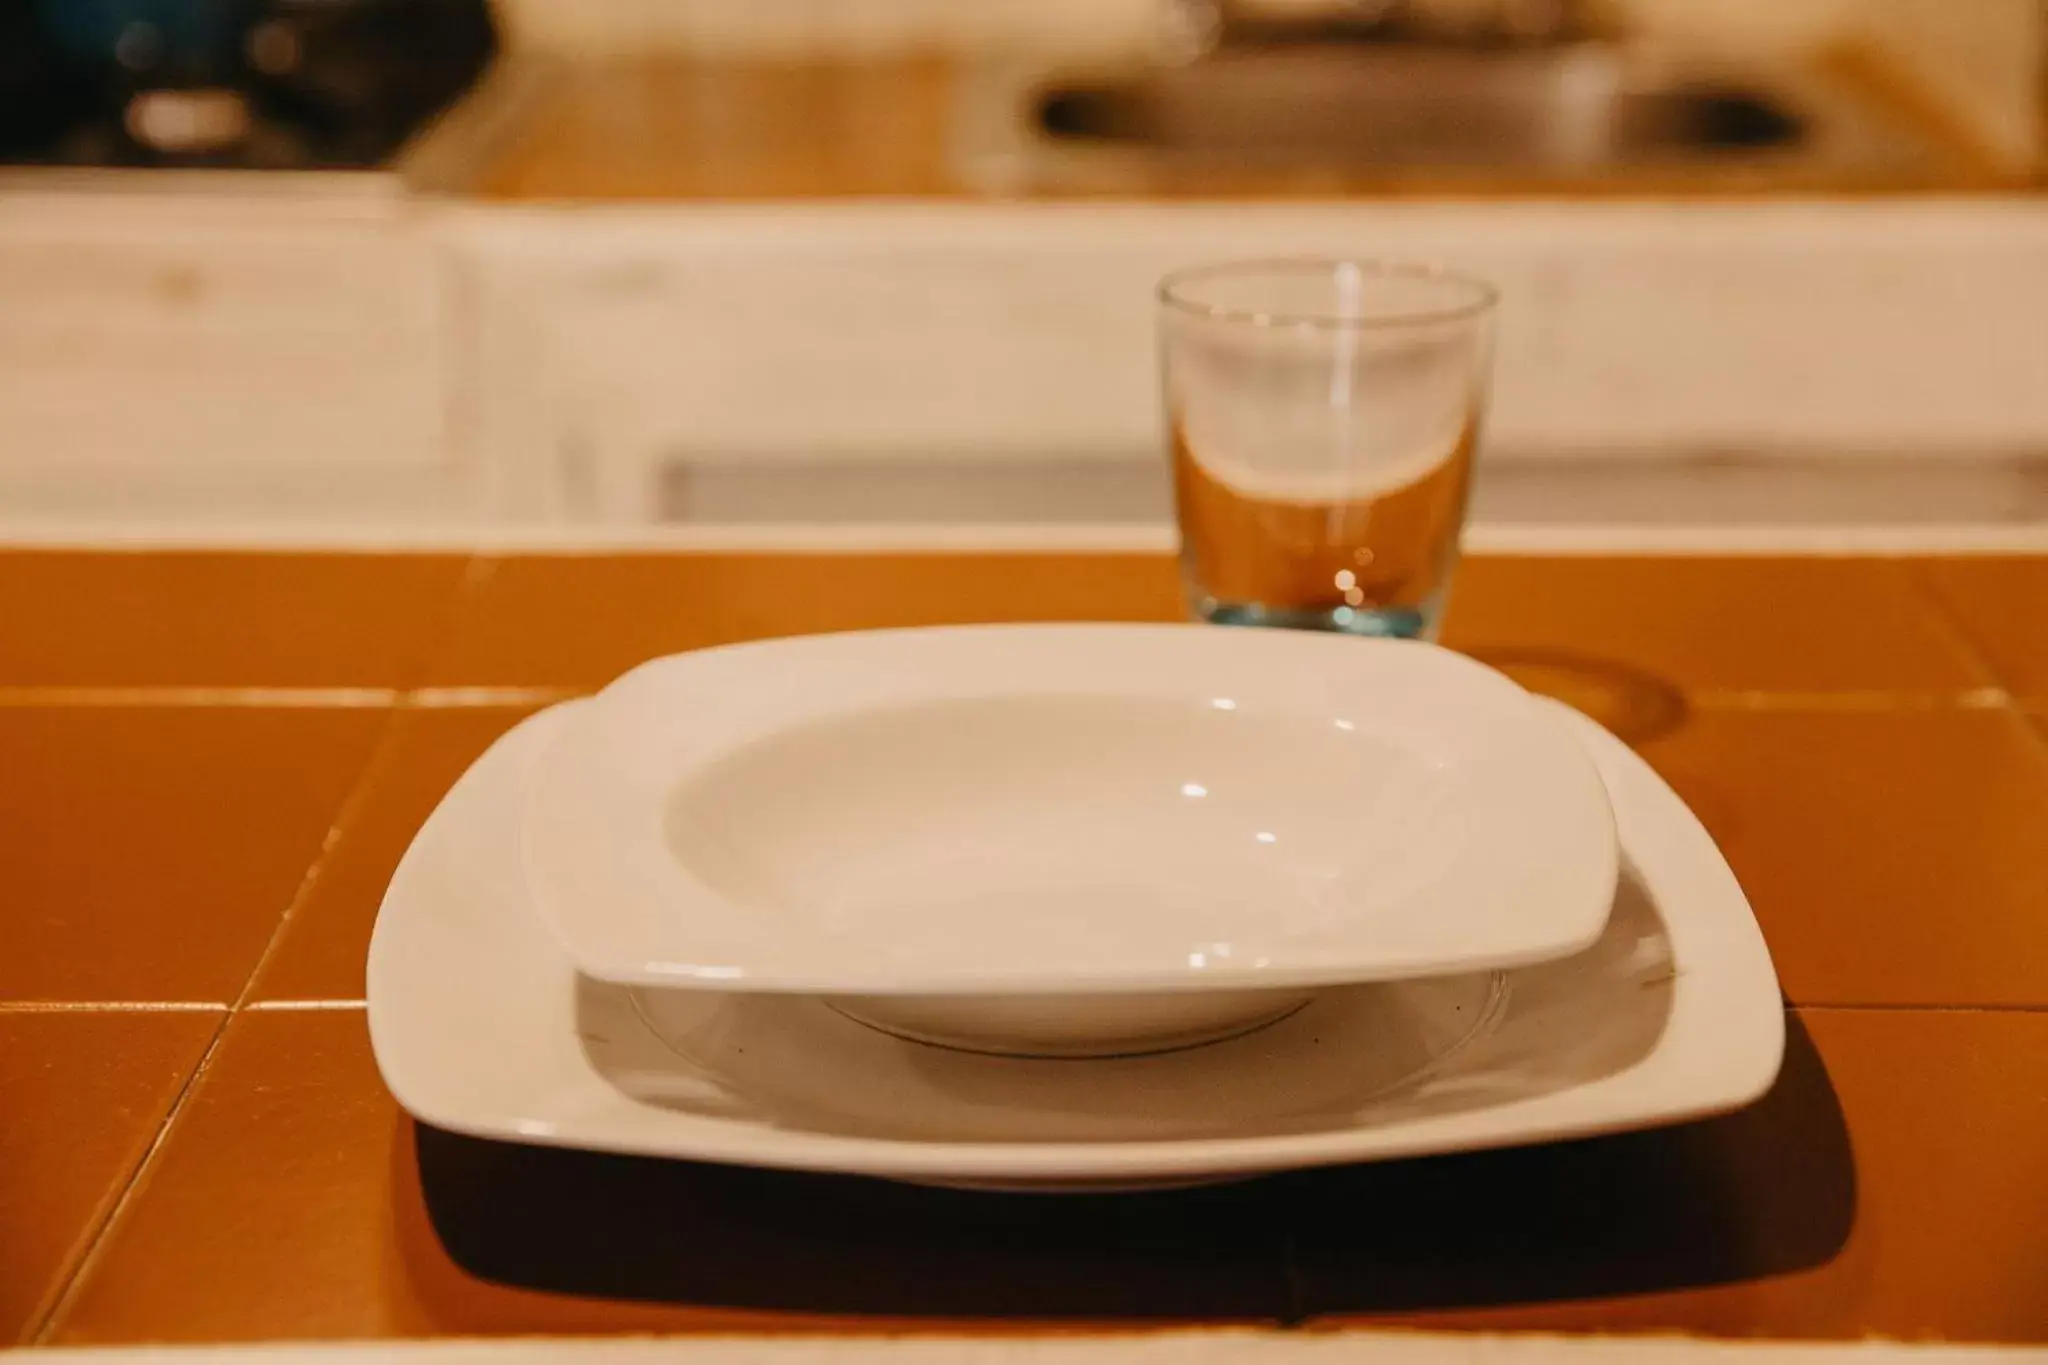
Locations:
(1065, 838)
(481, 1026)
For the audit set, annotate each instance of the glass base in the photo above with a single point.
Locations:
(1396, 623)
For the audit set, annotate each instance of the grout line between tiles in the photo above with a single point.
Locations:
(359, 698)
(2032, 717)
(2035, 724)
(488, 695)
(1737, 699)
(1952, 621)
(1708, 699)
(2034, 720)
(477, 574)
(286, 698)
(344, 816)
(261, 1006)
(110, 1006)
(441, 697)
(452, 698)
(61, 1299)
(1902, 1007)
(51, 1311)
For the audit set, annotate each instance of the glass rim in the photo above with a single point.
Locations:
(1482, 295)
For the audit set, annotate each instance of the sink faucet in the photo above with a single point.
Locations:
(1194, 28)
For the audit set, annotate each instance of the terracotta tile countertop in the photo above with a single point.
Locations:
(212, 762)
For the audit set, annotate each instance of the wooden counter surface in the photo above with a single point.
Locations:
(731, 130)
(213, 761)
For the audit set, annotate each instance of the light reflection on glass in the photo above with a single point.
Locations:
(1193, 789)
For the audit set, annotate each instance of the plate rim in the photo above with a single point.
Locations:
(636, 931)
(1726, 1023)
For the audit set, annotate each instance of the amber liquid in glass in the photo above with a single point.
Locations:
(1373, 557)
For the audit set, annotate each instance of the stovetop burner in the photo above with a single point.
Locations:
(203, 129)
(277, 85)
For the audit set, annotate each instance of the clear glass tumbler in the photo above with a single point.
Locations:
(1323, 418)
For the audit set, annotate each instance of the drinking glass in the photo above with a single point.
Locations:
(1323, 418)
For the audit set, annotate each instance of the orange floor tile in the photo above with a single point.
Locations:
(81, 1097)
(205, 619)
(319, 954)
(1892, 857)
(151, 851)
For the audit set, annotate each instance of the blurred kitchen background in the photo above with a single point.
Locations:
(366, 271)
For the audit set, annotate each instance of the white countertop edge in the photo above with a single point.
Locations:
(1787, 539)
(1214, 1347)
(1147, 538)
(894, 223)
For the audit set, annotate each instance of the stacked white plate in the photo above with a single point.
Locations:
(1065, 907)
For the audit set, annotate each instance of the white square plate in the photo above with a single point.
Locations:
(481, 1026)
(1064, 809)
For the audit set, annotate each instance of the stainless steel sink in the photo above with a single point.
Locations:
(1570, 112)
(1419, 107)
